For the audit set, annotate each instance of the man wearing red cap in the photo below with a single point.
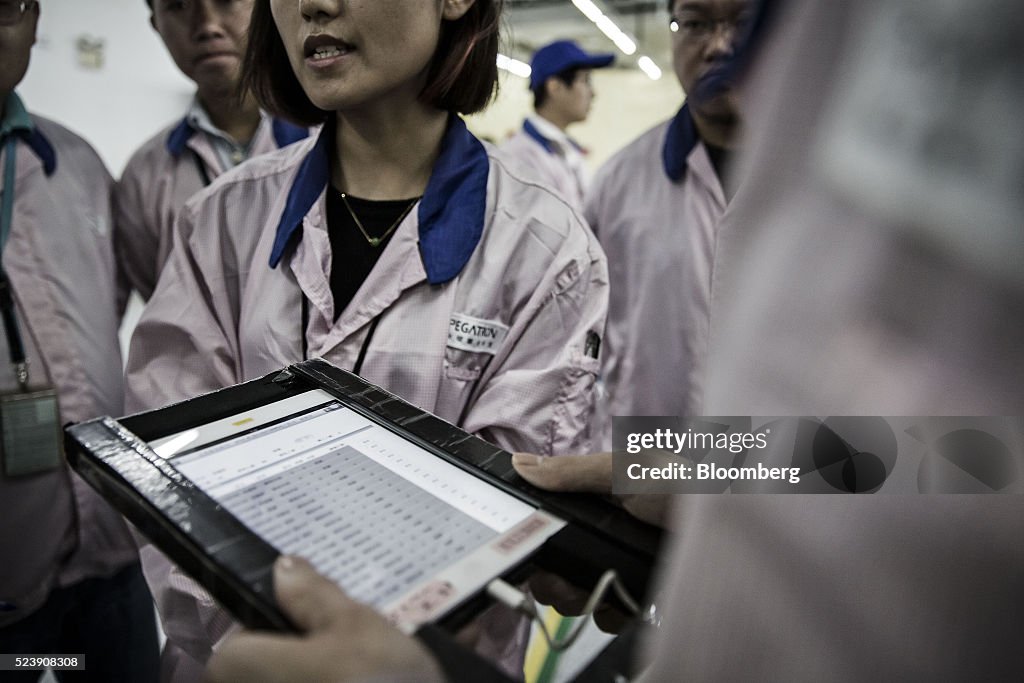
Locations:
(562, 95)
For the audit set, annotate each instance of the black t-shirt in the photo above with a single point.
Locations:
(720, 161)
(352, 256)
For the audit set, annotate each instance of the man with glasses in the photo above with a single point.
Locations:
(70, 581)
(562, 95)
(206, 40)
(656, 207)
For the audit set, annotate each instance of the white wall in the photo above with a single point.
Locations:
(137, 91)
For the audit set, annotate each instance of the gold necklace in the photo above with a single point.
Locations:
(375, 241)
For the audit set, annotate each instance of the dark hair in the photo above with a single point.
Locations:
(462, 76)
(568, 76)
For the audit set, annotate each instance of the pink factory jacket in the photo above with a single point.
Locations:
(656, 213)
(541, 156)
(54, 530)
(157, 181)
(488, 260)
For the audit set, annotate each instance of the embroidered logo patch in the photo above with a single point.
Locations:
(473, 334)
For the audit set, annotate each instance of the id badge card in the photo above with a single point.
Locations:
(31, 436)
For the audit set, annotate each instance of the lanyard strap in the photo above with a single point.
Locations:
(358, 367)
(203, 173)
(10, 144)
(15, 347)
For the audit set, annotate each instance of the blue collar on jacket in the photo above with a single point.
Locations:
(38, 143)
(18, 122)
(680, 139)
(532, 131)
(284, 134)
(451, 213)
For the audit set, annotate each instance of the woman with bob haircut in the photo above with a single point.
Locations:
(393, 243)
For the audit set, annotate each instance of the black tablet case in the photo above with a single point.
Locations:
(236, 566)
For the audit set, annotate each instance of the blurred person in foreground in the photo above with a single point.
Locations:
(854, 287)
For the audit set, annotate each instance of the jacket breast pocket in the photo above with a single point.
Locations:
(464, 365)
(462, 372)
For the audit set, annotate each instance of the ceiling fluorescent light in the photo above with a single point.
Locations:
(606, 25)
(514, 66)
(621, 40)
(589, 9)
(648, 66)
